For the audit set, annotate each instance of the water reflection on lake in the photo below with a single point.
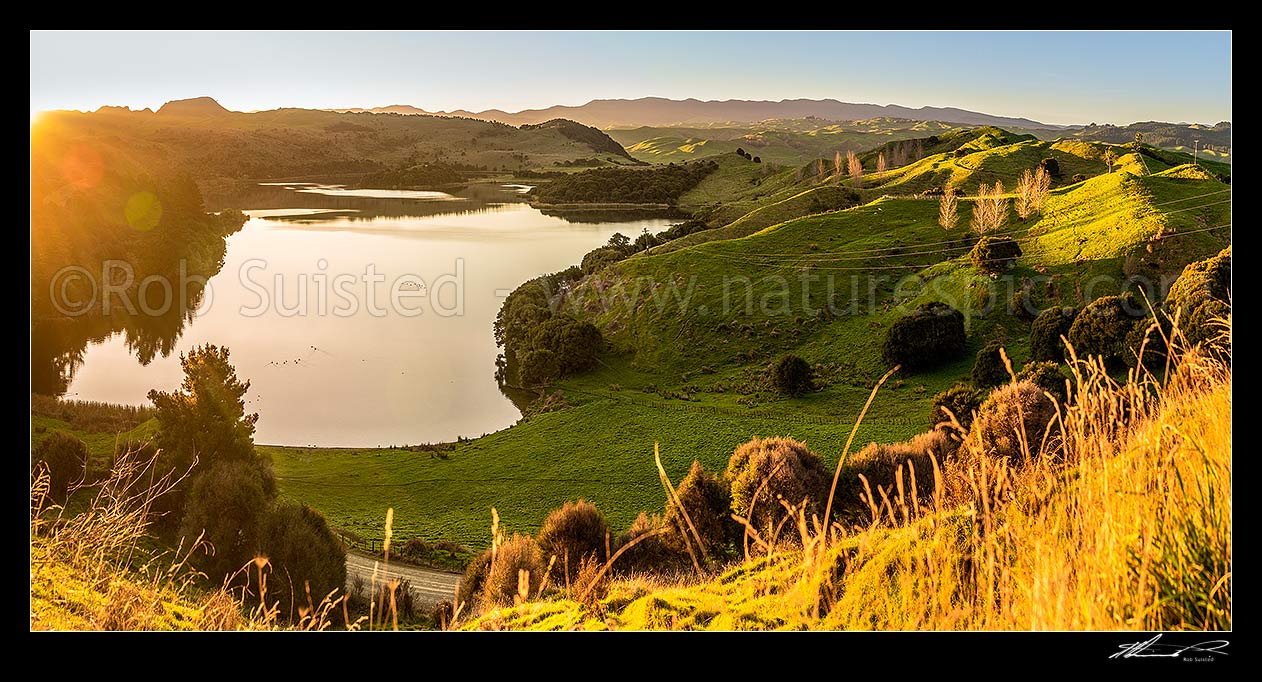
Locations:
(300, 303)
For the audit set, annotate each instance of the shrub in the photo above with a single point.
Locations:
(227, 504)
(994, 254)
(474, 579)
(989, 369)
(961, 399)
(1151, 342)
(415, 549)
(781, 468)
(305, 553)
(1201, 294)
(1012, 413)
(591, 584)
(879, 464)
(1051, 165)
(502, 584)
(757, 159)
(1101, 328)
(930, 335)
(1047, 376)
(708, 502)
(572, 533)
(65, 457)
(1022, 305)
(660, 553)
(1045, 333)
(792, 376)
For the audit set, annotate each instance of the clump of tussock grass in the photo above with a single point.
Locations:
(573, 533)
(1128, 527)
(766, 471)
(1016, 422)
(515, 573)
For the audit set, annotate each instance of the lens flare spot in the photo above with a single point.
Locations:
(143, 211)
(82, 166)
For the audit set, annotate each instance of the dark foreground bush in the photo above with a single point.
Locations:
(659, 548)
(766, 470)
(572, 533)
(929, 336)
(1014, 421)
(961, 399)
(1146, 341)
(473, 581)
(1045, 333)
(225, 506)
(65, 457)
(303, 552)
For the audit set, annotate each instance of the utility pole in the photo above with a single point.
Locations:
(1195, 148)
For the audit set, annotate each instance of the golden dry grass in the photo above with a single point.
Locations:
(1122, 522)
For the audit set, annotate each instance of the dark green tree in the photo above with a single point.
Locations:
(930, 335)
(989, 370)
(205, 420)
(1046, 331)
(1101, 328)
(792, 376)
(994, 254)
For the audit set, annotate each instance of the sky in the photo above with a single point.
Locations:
(1057, 77)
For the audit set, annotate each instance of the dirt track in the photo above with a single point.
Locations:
(429, 586)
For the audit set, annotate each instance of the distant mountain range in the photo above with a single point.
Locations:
(658, 111)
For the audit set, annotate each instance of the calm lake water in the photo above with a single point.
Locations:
(349, 365)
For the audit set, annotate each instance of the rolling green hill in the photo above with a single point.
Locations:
(1214, 142)
(692, 325)
(791, 141)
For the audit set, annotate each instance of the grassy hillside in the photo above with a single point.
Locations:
(792, 142)
(687, 370)
(1130, 531)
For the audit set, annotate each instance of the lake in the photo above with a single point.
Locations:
(363, 317)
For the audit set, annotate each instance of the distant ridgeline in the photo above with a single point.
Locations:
(215, 146)
(1177, 136)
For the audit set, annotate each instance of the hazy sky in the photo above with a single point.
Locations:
(1051, 77)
